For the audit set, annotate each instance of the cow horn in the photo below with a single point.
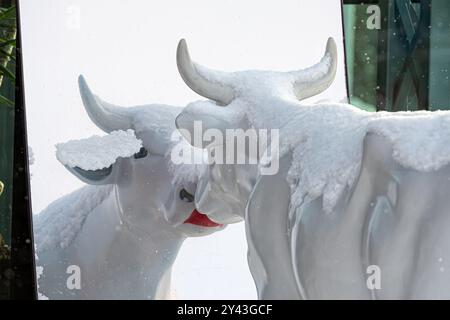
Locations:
(311, 81)
(106, 116)
(202, 80)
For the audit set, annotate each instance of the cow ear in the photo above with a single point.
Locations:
(193, 125)
(94, 177)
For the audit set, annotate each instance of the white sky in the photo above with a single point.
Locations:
(126, 50)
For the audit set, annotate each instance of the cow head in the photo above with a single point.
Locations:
(148, 187)
(245, 100)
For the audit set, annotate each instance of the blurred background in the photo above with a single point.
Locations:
(398, 54)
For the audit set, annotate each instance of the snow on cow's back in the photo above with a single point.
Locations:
(59, 223)
(327, 145)
(326, 141)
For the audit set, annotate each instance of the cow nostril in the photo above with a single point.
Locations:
(186, 196)
(142, 153)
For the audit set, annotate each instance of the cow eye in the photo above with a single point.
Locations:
(186, 196)
(141, 154)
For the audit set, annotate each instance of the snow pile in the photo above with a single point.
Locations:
(421, 139)
(156, 120)
(326, 141)
(97, 152)
(159, 122)
(58, 224)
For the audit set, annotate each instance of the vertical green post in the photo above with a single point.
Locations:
(7, 97)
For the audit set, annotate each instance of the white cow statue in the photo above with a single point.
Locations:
(121, 233)
(359, 207)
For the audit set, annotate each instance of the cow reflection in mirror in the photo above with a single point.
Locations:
(124, 229)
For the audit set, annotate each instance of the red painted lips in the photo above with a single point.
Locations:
(201, 219)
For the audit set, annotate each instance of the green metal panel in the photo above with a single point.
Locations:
(7, 98)
(7, 89)
(361, 57)
(440, 55)
(403, 63)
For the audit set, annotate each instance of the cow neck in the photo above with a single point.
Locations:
(160, 236)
